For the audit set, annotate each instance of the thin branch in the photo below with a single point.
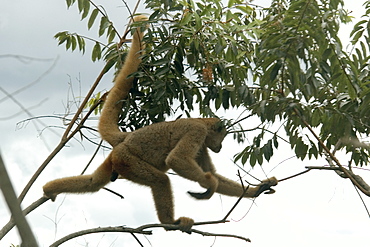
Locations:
(92, 157)
(239, 199)
(114, 193)
(97, 230)
(134, 236)
(355, 179)
(22, 111)
(26, 59)
(24, 229)
(221, 235)
(298, 174)
(141, 230)
(362, 200)
(240, 120)
(29, 209)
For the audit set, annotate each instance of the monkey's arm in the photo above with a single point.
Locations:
(231, 188)
(227, 186)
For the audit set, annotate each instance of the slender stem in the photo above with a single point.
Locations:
(332, 156)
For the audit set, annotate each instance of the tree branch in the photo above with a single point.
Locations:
(24, 229)
(355, 179)
(29, 209)
(142, 230)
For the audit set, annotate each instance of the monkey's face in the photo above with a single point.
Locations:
(214, 139)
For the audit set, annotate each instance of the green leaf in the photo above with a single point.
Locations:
(276, 143)
(186, 18)
(86, 9)
(225, 99)
(112, 35)
(70, 3)
(92, 18)
(104, 24)
(268, 150)
(81, 44)
(80, 4)
(96, 52)
(73, 43)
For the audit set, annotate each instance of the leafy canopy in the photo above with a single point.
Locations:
(284, 66)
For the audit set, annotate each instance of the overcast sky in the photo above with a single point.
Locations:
(316, 209)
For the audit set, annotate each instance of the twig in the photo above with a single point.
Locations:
(332, 168)
(245, 189)
(220, 235)
(134, 236)
(92, 157)
(362, 200)
(309, 168)
(114, 193)
(280, 180)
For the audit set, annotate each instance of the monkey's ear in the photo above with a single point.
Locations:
(219, 126)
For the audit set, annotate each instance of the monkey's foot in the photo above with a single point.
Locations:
(185, 224)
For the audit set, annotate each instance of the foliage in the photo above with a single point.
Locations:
(284, 65)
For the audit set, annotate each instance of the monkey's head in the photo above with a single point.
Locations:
(216, 135)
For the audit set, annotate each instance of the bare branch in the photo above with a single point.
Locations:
(355, 179)
(141, 230)
(97, 230)
(24, 229)
(29, 209)
(300, 173)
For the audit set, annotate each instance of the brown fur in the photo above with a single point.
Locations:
(143, 156)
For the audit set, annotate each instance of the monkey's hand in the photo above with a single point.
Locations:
(265, 185)
(210, 183)
(185, 224)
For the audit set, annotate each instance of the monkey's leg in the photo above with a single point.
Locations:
(139, 171)
(80, 184)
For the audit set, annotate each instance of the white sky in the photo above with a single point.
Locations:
(316, 209)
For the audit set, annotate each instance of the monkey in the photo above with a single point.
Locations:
(145, 155)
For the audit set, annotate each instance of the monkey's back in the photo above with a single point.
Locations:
(154, 142)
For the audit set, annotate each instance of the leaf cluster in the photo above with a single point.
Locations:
(284, 65)
(307, 81)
